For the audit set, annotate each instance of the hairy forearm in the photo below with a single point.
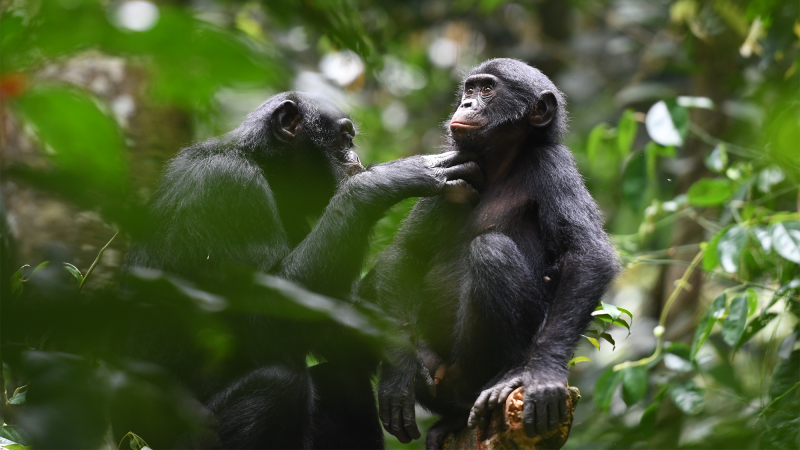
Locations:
(329, 259)
(584, 278)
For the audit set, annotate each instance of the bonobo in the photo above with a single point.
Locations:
(496, 292)
(245, 199)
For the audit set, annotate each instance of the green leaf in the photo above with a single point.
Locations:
(733, 327)
(576, 360)
(716, 310)
(611, 310)
(786, 289)
(595, 139)
(41, 266)
(687, 397)
(74, 271)
(717, 160)
(764, 238)
(769, 177)
(663, 127)
(786, 240)
(634, 181)
(16, 282)
(752, 301)
(648, 420)
(625, 311)
(19, 396)
(634, 384)
(14, 434)
(626, 132)
(757, 324)
(594, 342)
(86, 144)
(609, 339)
(711, 256)
(605, 387)
(676, 363)
(710, 192)
(730, 248)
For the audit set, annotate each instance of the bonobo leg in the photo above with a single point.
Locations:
(345, 415)
(270, 407)
(439, 431)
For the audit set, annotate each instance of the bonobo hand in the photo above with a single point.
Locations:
(545, 404)
(427, 175)
(396, 404)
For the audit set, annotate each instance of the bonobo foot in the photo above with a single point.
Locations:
(440, 430)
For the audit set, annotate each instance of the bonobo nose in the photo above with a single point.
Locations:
(467, 104)
(346, 126)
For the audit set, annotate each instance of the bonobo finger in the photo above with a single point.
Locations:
(459, 191)
(478, 409)
(426, 376)
(440, 160)
(507, 390)
(397, 425)
(386, 415)
(469, 171)
(529, 416)
(541, 416)
(562, 409)
(410, 422)
(552, 415)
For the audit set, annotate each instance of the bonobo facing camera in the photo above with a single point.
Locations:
(245, 199)
(494, 293)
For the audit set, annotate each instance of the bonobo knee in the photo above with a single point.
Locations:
(494, 252)
(269, 398)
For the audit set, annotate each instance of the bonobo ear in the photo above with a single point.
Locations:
(544, 111)
(286, 121)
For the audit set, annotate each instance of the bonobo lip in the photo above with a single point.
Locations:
(458, 125)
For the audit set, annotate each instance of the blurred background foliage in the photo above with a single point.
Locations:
(685, 124)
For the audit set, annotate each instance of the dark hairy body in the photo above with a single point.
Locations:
(244, 199)
(495, 292)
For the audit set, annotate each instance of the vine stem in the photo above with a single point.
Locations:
(96, 260)
(659, 330)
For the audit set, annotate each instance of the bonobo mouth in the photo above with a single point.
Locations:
(458, 125)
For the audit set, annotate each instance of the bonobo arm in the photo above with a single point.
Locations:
(586, 265)
(329, 259)
(394, 283)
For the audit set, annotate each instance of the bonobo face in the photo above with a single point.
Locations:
(315, 129)
(471, 116)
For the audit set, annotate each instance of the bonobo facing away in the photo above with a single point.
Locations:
(244, 199)
(494, 293)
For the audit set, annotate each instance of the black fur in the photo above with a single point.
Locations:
(245, 199)
(495, 293)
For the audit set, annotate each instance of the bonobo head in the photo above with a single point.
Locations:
(509, 101)
(305, 131)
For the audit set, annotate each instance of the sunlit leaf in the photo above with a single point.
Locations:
(593, 341)
(716, 310)
(752, 301)
(576, 360)
(756, 324)
(625, 311)
(74, 271)
(688, 397)
(13, 434)
(711, 255)
(764, 238)
(626, 132)
(769, 177)
(710, 192)
(594, 141)
(733, 327)
(634, 384)
(661, 126)
(611, 310)
(730, 248)
(786, 240)
(717, 160)
(676, 363)
(605, 387)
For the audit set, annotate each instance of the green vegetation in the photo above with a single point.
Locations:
(685, 123)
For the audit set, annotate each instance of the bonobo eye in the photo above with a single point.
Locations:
(347, 129)
(470, 91)
(486, 90)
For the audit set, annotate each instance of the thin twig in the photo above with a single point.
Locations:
(96, 260)
(680, 285)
